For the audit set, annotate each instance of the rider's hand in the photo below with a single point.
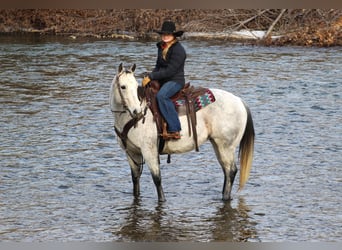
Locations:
(145, 81)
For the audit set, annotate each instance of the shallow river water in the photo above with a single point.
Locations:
(63, 176)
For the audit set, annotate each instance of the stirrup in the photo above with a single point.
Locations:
(173, 135)
(167, 135)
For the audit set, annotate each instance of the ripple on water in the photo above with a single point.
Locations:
(64, 177)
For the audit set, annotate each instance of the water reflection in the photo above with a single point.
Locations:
(142, 224)
(162, 224)
(233, 224)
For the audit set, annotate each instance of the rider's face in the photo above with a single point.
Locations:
(167, 38)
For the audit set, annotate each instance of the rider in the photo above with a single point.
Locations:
(169, 71)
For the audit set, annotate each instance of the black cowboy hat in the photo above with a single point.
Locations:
(169, 27)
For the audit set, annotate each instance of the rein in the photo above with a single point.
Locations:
(131, 123)
(124, 135)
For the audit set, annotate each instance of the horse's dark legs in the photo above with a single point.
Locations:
(152, 161)
(136, 183)
(157, 183)
(136, 170)
(225, 156)
(229, 176)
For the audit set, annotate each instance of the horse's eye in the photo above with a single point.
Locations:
(123, 87)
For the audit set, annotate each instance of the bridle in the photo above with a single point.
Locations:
(123, 135)
(123, 103)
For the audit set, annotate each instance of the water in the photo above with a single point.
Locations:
(63, 176)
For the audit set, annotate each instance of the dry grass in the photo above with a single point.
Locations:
(298, 26)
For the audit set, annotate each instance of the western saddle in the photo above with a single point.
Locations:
(186, 96)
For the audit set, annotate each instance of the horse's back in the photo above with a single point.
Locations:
(226, 96)
(224, 119)
(226, 104)
(227, 114)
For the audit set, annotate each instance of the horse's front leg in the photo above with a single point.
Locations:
(157, 182)
(136, 164)
(152, 160)
(136, 183)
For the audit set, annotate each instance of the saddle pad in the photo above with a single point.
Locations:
(200, 101)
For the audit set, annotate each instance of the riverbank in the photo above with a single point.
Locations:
(313, 27)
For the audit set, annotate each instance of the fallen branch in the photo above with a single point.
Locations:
(274, 23)
(249, 19)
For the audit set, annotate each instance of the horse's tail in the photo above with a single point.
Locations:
(246, 149)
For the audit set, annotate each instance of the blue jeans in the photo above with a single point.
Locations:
(166, 106)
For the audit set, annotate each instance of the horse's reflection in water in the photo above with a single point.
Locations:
(233, 224)
(146, 225)
(163, 225)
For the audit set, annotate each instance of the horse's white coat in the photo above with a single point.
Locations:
(222, 122)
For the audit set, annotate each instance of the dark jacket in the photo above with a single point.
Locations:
(171, 69)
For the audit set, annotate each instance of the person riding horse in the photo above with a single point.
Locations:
(226, 123)
(169, 71)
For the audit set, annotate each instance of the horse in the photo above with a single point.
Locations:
(226, 123)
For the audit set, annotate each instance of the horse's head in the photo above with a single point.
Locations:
(123, 92)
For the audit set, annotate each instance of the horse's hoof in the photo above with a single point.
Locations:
(226, 199)
(161, 199)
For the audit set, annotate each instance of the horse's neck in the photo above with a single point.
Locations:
(121, 119)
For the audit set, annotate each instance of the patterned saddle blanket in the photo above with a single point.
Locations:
(202, 97)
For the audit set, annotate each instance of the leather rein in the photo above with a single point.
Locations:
(131, 123)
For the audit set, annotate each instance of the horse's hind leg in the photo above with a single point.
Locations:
(229, 176)
(225, 156)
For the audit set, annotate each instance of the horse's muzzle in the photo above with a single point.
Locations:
(136, 114)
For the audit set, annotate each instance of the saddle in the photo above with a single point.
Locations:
(187, 101)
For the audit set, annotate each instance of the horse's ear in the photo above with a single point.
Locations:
(120, 68)
(133, 67)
